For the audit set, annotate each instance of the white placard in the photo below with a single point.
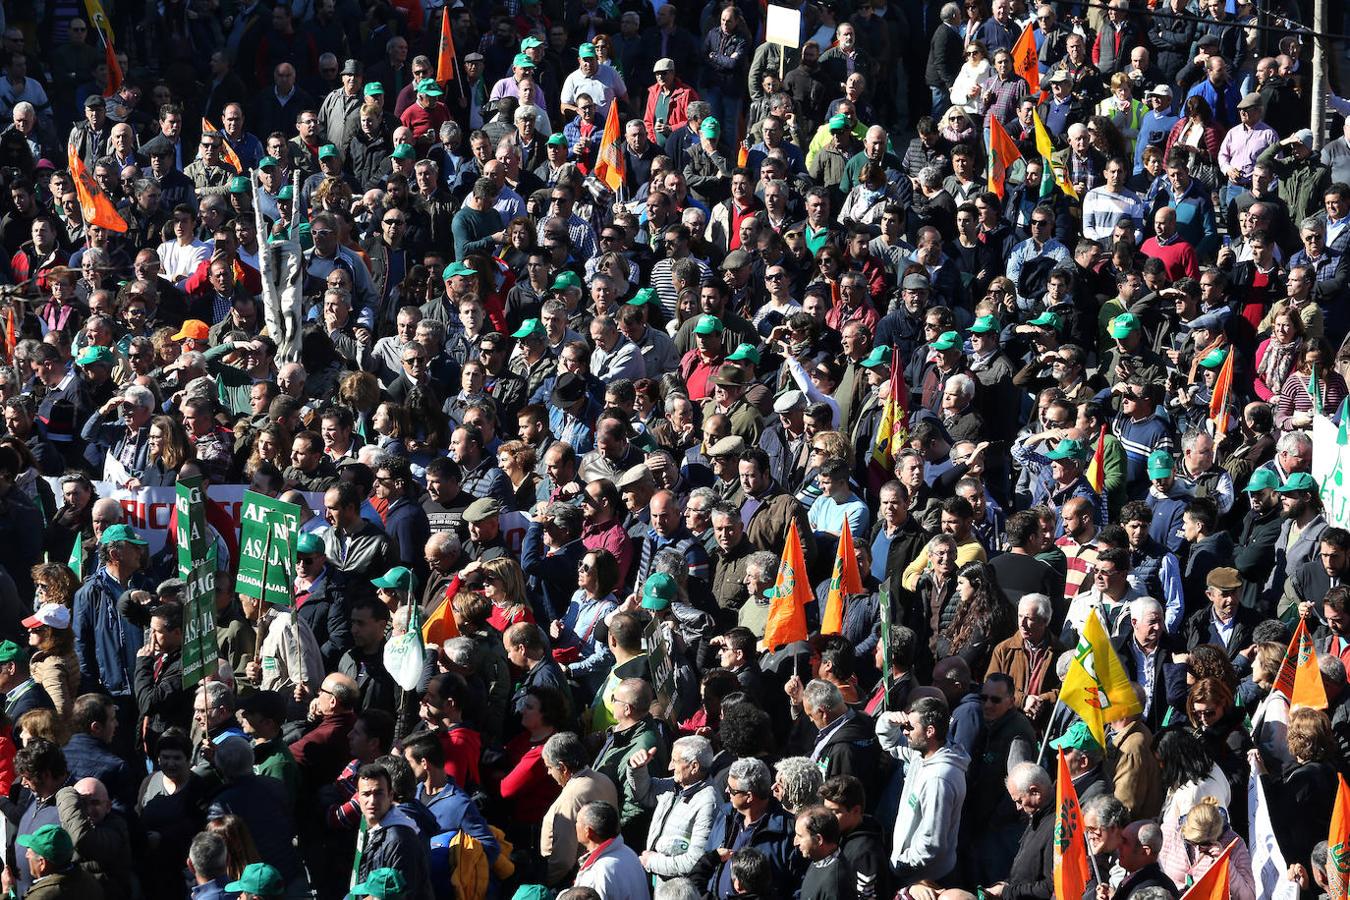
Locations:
(784, 26)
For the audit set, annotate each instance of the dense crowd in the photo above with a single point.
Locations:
(609, 311)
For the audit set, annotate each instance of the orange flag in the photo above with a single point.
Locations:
(114, 70)
(791, 593)
(1300, 680)
(11, 338)
(440, 626)
(1338, 838)
(226, 151)
(1003, 153)
(1218, 404)
(845, 580)
(1025, 62)
(609, 166)
(743, 145)
(1096, 473)
(445, 59)
(1213, 885)
(95, 206)
(1071, 859)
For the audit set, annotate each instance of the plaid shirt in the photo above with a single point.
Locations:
(1007, 94)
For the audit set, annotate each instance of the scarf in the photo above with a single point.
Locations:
(1278, 362)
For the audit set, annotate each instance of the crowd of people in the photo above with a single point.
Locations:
(604, 305)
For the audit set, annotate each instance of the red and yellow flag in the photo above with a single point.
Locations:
(1213, 885)
(440, 626)
(1096, 473)
(1003, 153)
(114, 70)
(1300, 679)
(1025, 62)
(609, 166)
(893, 431)
(445, 59)
(1071, 860)
(95, 206)
(845, 580)
(1338, 842)
(791, 593)
(1218, 404)
(226, 151)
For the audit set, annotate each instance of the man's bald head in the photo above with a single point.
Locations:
(95, 797)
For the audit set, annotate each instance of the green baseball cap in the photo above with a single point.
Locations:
(374, 88)
(429, 87)
(1078, 737)
(984, 325)
(879, 358)
(239, 184)
(566, 279)
(521, 61)
(1297, 481)
(709, 324)
(457, 268)
(287, 192)
(645, 296)
(746, 352)
(529, 42)
(530, 328)
(268, 162)
(1068, 448)
(1161, 464)
(1262, 479)
(586, 51)
(710, 128)
(328, 151)
(557, 140)
(1123, 325)
(658, 592)
(52, 843)
(260, 879)
(404, 151)
(384, 884)
(119, 533)
(94, 355)
(839, 122)
(948, 340)
(1048, 319)
(1214, 359)
(399, 578)
(308, 542)
(10, 651)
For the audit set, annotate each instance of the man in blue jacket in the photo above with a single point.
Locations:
(755, 819)
(453, 809)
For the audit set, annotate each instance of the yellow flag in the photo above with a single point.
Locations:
(1046, 148)
(98, 18)
(1096, 686)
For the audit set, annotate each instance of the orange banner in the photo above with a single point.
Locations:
(609, 166)
(95, 206)
(791, 592)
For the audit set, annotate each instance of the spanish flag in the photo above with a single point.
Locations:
(445, 59)
(845, 580)
(609, 166)
(893, 430)
(1096, 473)
(1338, 842)
(1025, 62)
(1213, 885)
(1002, 154)
(1096, 686)
(1300, 679)
(791, 593)
(226, 151)
(95, 206)
(1071, 860)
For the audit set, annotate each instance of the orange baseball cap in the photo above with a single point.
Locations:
(192, 328)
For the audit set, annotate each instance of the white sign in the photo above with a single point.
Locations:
(784, 26)
(1331, 470)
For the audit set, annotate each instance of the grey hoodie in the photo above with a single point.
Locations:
(924, 843)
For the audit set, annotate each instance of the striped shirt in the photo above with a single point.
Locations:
(1081, 559)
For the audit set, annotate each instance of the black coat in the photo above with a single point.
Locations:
(1032, 874)
(1300, 807)
(852, 749)
(1199, 629)
(1150, 875)
(328, 614)
(945, 56)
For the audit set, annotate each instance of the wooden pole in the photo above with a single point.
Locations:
(1320, 62)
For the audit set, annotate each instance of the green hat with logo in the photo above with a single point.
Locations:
(658, 592)
(119, 533)
(530, 328)
(1161, 464)
(1297, 481)
(645, 296)
(521, 61)
(457, 268)
(948, 340)
(879, 358)
(1263, 479)
(429, 87)
(710, 128)
(52, 843)
(557, 140)
(374, 88)
(10, 651)
(385, 883)
(260, 879)
(839, 122)
(1214, 359)
(1123, 325)
(1068, 448)
(566, 279)
(308, 542)
(399, 578)
(985, 325)
(287, 192)
(268, 162)
(328, 151)
(404, 151)
(709, 324)
(1078, 737)
(239, 184)
(529, 42)
(1048, 319)
(96, 356)
(586, 51)
(747, 352)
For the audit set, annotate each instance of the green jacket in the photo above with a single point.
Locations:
(274, 758)
(613, 762)
(1302, 182)
(233, 384)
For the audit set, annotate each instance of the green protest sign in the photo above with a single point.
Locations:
(266, 566)
(197, 561)
(190, 525)
(660, 656)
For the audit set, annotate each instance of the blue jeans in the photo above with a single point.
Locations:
(726, 109)
(941, 101)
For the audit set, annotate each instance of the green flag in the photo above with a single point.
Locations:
(76, 560)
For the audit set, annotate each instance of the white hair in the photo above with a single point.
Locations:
(1042, 603)
(139, 395)
(1142, 606)
(696, 749)
(1026, 775)
(963, 383)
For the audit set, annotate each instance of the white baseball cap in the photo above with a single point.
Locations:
(53, 615)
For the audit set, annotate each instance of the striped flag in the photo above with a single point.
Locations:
(226, 151)
(1046, 149)
(1096, 473)
(893, 430)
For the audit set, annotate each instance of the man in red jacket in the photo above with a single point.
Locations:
(667, 102)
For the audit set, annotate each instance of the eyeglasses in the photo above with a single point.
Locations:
(585, 567)
(774, 276)
(1040, 223)
(414, 361)
(736, 792)
(393, 221)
